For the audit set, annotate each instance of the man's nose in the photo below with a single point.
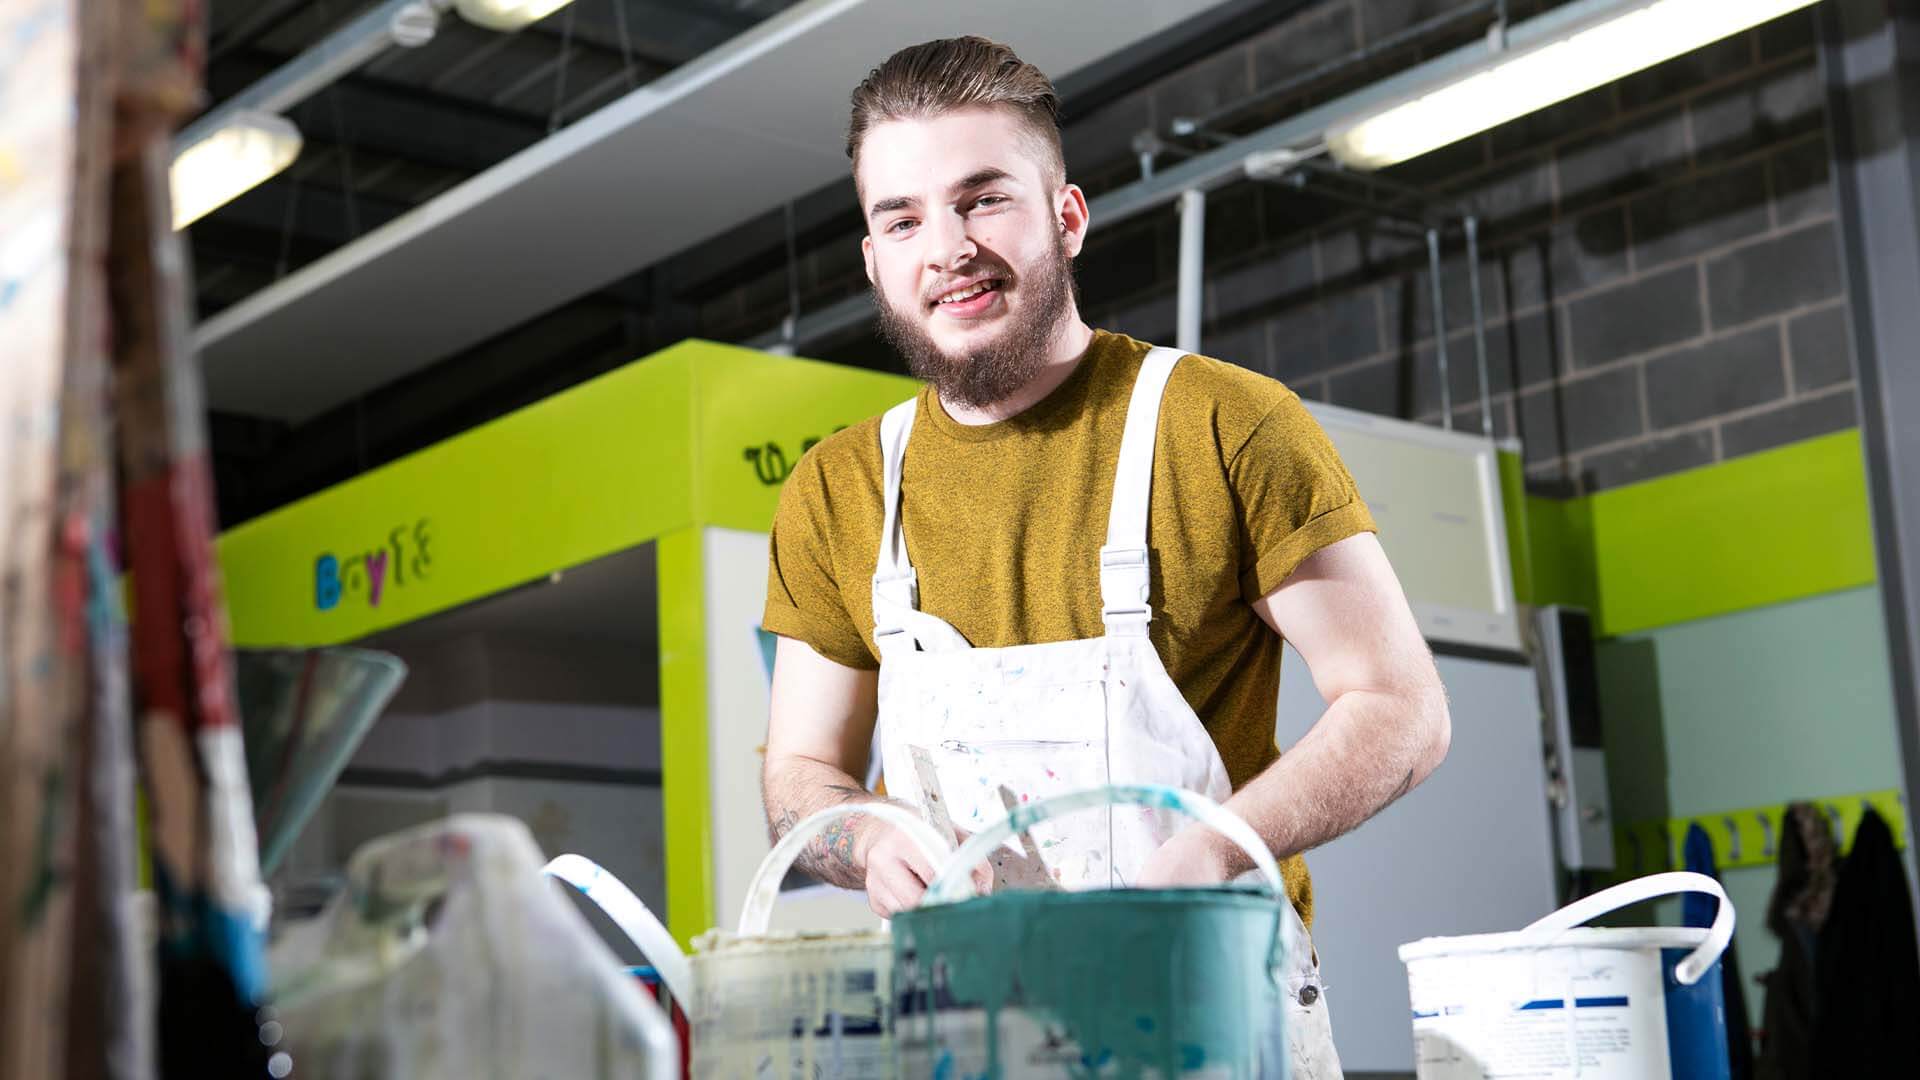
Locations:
(951, 246)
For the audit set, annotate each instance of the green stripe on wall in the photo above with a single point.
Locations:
(1761, 529)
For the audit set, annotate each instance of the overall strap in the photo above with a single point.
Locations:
(898, 622)
(1125, 581)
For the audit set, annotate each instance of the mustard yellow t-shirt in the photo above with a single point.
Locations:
(1004, 524)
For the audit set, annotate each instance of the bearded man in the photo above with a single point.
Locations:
(1072, 559)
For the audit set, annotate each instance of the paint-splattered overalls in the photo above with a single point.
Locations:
(965, 731)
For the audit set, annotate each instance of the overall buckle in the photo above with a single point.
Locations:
(1126, 585)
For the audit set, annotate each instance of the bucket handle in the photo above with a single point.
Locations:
(1696, 963)
(633, 917)
(955, 879)
(765, 887)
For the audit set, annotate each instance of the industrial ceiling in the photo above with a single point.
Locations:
(433, 209)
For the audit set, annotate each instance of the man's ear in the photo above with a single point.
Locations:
(866, 256)
(1070, 208)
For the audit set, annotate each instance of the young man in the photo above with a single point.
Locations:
(943, 568)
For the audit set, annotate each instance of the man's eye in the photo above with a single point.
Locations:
(990, 200)
(901, 226)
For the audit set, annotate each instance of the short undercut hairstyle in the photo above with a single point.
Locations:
(937, 77)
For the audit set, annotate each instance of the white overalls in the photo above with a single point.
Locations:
(966, 732)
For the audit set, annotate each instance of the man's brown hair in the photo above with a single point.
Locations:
(936, 77)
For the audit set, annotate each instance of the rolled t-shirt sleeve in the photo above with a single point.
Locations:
(804, 601)
(1294, 495)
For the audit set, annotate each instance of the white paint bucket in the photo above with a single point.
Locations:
(1558, 1001)
(812, 1004)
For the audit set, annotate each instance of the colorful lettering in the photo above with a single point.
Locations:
(376, 575)
(326, 582)
(406, 557)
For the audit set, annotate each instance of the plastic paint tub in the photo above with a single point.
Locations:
(1130, 982)
(798, 1004)
(1557, 1001)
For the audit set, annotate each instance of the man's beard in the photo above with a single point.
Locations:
(996, 370)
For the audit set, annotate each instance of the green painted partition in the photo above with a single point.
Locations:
(698, 435)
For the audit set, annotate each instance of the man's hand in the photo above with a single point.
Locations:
(1195, 856)
(898, 872)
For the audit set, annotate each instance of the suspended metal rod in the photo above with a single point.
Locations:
(1193, 257)
(1479, 323)
(1440, 328)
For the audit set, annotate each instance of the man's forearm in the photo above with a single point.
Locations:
(795, 789)
(1367, 750)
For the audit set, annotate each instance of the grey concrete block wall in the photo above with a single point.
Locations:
(1660, 263)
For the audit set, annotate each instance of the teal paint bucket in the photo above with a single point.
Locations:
(1125, 983)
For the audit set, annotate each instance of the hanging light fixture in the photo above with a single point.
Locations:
(246, 149)
(507, 14)
(1617, 40)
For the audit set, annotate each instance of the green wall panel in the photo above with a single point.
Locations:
(1762, 529)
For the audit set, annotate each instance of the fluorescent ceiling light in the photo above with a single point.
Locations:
(507, 14)
(1512, 84)
(244, 151)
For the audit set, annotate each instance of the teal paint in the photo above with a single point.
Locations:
(1789, 701)
(1172, 980)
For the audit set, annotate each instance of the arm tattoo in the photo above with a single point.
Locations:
(836, 841)
(782, 823)
(1406, 785)
(832, 855)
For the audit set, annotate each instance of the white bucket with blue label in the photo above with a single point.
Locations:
(1559, 1000)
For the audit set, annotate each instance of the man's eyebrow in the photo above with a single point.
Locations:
(980, 177)
(977, 178)
(888, 206)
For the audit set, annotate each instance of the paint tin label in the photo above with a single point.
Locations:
(1547, 1014)
(802, 1012)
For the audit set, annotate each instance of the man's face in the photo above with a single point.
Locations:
(969, 246)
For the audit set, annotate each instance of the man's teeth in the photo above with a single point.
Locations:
(967, 293)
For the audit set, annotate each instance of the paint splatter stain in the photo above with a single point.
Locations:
(1192, 1056)
(1143, 1023)
(1051, 775)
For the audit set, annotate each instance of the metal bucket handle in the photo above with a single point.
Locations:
(955, 880)
(634, 919)
(765, 887)
(1696, 963)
